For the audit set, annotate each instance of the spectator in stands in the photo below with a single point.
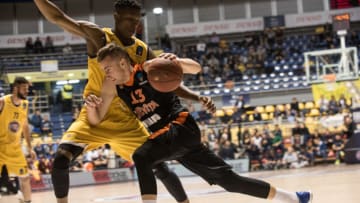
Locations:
(35, 121)
(214, 40)
(333, 105)
(166, 42)
(29, 46)
(38, 46)
(67, 49)
(257, 115)
(239, 109)
(354, 39)
(294, 107)
(43, 165)
(349, 127)
(323, 104)
(39, 150)
(46, 126)
(277, 139)
(200, 48)
(342, 102)
(338, 148)
(227, 150)
(290, 158)
(49, 45)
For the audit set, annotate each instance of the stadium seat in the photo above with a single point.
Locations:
(260, 109)
(309, 105)
(269, 109)
(314, 113)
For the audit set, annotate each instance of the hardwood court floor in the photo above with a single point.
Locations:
(330, 184)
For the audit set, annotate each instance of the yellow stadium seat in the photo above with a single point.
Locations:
(264, 116)
(251, 117)
(269, 109)
(219, 113)
(314, 112)
(309, 105)
(301, 106)
(229, 112)
(280, 107)
(349, 102)
(287, 106)
(260, 109)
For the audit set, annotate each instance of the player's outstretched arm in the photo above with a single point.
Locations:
(98, 106)
(188, 65)
(53, 14)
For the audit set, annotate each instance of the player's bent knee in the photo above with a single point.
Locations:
(139, 158)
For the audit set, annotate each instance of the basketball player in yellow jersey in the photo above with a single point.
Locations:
(120, 128)
(13, 123)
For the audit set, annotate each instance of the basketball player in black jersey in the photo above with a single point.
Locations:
(174, 133)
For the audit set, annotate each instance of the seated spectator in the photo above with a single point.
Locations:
(29, 46)
(46, 126)
(323, 104)
(36, 121)
(290, 158)
(67, 49)
(338, 148)
(333, 105)
(38, 46)
(49, 45)
(227, 150)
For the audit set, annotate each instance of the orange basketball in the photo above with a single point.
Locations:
(164, 75)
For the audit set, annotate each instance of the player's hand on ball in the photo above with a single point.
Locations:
(170, 56)
(93, 101)
(208, 103)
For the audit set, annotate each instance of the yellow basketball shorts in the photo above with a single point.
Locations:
(120, 129)
(13, 157)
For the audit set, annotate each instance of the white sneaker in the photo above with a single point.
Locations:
(20, 196)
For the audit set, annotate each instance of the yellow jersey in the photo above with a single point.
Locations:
(138, 52)
(12, 118)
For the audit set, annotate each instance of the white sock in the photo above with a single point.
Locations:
(285, 196)
(149, 201)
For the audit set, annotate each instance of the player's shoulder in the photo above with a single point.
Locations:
(2, 102)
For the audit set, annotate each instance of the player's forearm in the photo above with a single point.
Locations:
(186, 93)
(26, 133)
(93, 115)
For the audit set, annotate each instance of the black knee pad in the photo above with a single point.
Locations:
(60, 171)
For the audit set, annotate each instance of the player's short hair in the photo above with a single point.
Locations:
(112, 50)
(20, 80)
(126, 4)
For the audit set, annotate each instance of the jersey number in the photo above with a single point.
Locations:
(137, 97)
(16, 115)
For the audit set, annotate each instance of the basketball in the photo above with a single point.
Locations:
(164, 75)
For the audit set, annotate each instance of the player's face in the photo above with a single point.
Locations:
(22, 91)
(126, 21)
(117, 70)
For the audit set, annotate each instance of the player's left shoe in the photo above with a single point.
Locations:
(20, 196)
(304, 196)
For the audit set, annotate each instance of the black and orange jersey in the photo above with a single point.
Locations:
(155, 109)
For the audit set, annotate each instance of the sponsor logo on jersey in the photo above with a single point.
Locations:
(139, 76)
(139, 50)
(14, 126)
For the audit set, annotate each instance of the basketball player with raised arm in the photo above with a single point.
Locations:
(119, 128)
(13, 124)
(174, 133)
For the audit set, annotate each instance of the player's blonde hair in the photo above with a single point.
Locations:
(112, 50)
